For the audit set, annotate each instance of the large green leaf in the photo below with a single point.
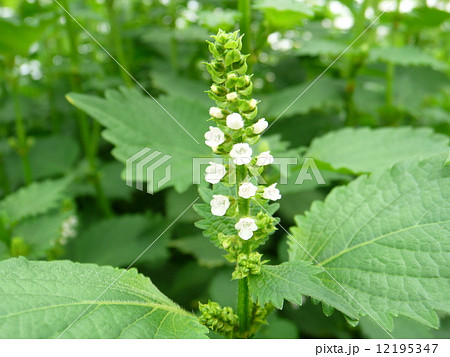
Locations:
(41, 299)
(38, 198)
(385, 239)
(134, 121)
(364, 150)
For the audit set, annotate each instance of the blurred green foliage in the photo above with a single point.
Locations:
(56, 164)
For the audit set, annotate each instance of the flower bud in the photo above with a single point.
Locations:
(232, 96)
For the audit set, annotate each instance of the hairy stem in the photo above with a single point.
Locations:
(244, 306)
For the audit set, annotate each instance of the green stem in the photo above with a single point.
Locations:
(390, 70)
(173, 41)
(355, 64)
(244, 306)
(244, 7)
(116, 41)
(4, 177)
(88, 142)
(22, 145)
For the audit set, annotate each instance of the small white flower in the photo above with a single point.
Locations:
(215, 89)
(246, 226)
(241, 153)
(68, 229)
(260, 126)
(215, 172)
(264, 159)
(252, 103)
(216, 112)
(234, 121)
(272, 193)
(247, 190)
(219, 205)
(214, 137)
(232, 96)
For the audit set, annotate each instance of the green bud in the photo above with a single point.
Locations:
(247, 264)
(19, 247)
(220, 320)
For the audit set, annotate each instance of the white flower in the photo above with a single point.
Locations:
(232, 96)
(68, 229)
(234, 121)
(247, 190)
(260, 126)
(215, 89)
(271, 193)
(241, 153)
(219, 205)
(246, 227)
(252, 103)
(264, 159)
(215, 172)
(216, 112)
(214, 137)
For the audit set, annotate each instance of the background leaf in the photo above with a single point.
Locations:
(38, 198)
(361, 150)
(134, 122)
(118, 241)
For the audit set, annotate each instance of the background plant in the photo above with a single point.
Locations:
(376, 123)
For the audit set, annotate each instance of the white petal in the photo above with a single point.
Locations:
(245, 234)
(234, 121)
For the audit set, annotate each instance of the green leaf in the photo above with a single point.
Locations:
(318, 47)
(118, 241)
(325, 92)
(40, 233)
(181, 87)
(384, 238)
(41, 299)
(277, 327)
(284, 14)
(134, 121)
(290, 281)
(405, 56)
(49, 156)
(19, 38)
(38, 198)
(201, 248)
(218, 19)
(361, 150)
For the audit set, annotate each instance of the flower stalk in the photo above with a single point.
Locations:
(237, 128)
